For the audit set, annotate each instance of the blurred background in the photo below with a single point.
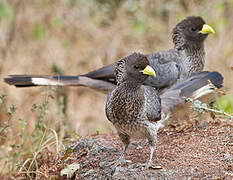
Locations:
(76, 36)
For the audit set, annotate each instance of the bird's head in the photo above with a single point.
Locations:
(135, 68)
(191, 30)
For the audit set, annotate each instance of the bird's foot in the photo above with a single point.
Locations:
(121, 161)
(126, 162)
(147, 165)
(112, 166)
(143, 166)
(118, 162)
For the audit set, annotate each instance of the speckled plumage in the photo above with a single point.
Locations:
(134, 109)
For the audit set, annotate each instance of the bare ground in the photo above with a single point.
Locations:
(201, 152)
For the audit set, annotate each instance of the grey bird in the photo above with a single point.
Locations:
(176, 64)
(137, 110)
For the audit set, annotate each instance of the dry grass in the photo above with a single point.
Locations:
(79, 36)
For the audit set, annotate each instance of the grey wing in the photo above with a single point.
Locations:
(197, 85)
(167, 69)
(152, 104)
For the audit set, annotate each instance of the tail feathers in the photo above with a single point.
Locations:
(199, 86)
(19, 80)
(106, 73)
(34, 80)
(196, 86)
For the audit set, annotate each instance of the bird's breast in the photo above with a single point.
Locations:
(124, 106)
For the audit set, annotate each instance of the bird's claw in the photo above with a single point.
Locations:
(117, 162)
(143, 166)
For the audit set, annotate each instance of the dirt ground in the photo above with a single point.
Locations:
(201, 152)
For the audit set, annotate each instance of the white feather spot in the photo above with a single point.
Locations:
(203, 91)
(46, 82)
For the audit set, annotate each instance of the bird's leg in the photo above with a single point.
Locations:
(126, 140)
(149, 162)
(122, 157)
(152, 139)
(114, 165)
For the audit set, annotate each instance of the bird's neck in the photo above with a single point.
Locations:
(194, 49)
(131, 85)
(130, 92)
(182, 44)
(194, 56)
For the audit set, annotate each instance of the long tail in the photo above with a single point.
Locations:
(106, 73)
(34, 80)
(198, 85)
(102, 79)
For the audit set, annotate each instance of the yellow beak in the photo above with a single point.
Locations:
(206, 29)
(148, 71)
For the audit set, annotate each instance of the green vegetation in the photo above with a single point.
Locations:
(225, 103)
(38, 31)
(22, 155)
(6, 12)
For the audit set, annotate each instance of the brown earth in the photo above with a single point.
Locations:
(201, 152)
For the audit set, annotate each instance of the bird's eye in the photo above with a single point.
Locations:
(193, 28)
(136, 66)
